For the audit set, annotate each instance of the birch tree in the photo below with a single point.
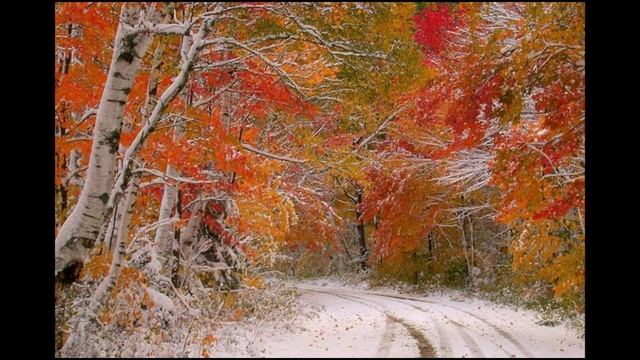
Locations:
(79, 232)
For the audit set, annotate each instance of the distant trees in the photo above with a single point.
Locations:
(499, 135)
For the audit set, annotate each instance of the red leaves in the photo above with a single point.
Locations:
(485, 80)
(340, 140)
(270, 89)
(562, 105)
(433, 25)
(214, 226)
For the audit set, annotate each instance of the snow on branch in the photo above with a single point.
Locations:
(273, 156)
(166, 176)
(383, 125)
(160, 29)
(470, 168)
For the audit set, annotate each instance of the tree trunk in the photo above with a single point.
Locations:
(431, 239)
(464, 248)
(190, 231)
(472, 243)
(164, 233)
(189, 238)
(108, 282)
(79, 232)
(63, 198)
(361, 235)
(174, 262)
(112, 230)
(86, 317)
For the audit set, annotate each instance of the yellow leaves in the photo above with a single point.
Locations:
(98, 265)
(354, 170)
(566, 271)
(533, 248)
(230, 301)
(397, 23)
(543, 251)
(254, 282)
(266, 213)
(233, 309)
(264, 168)
(320, 76)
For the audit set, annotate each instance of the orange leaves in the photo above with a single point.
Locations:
(320, 76)
(105, 317)
(74, 89)
(97, 266)
(272, 92)
(316, 224)
(399, 199)
(209, 339)
(84, 35)
(129, 277)
(100, 15)
(566, 272)
(238, 314)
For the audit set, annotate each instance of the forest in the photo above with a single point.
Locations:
(207, 154)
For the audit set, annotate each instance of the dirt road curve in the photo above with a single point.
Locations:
(359, 323)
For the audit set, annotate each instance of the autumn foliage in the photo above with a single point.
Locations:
(444, 143)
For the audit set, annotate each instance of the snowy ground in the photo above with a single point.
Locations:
(351, 321)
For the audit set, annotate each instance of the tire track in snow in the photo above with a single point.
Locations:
(387, 338)
(385, 344)
(471, 344)
(462, 331)
(498, 329)
(425, 348)
(445, 346)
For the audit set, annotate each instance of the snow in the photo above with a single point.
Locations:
(338, 320)
(161, 300)
(338, 328)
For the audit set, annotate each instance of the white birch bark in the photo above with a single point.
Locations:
(164, 239)
(189, 231)
(74, 159)
(112, 230)
(84, 321)
(79, 232)
(167, 96)
(109, 281)
(164, 233)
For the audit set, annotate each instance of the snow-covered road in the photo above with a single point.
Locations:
(351, 322)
